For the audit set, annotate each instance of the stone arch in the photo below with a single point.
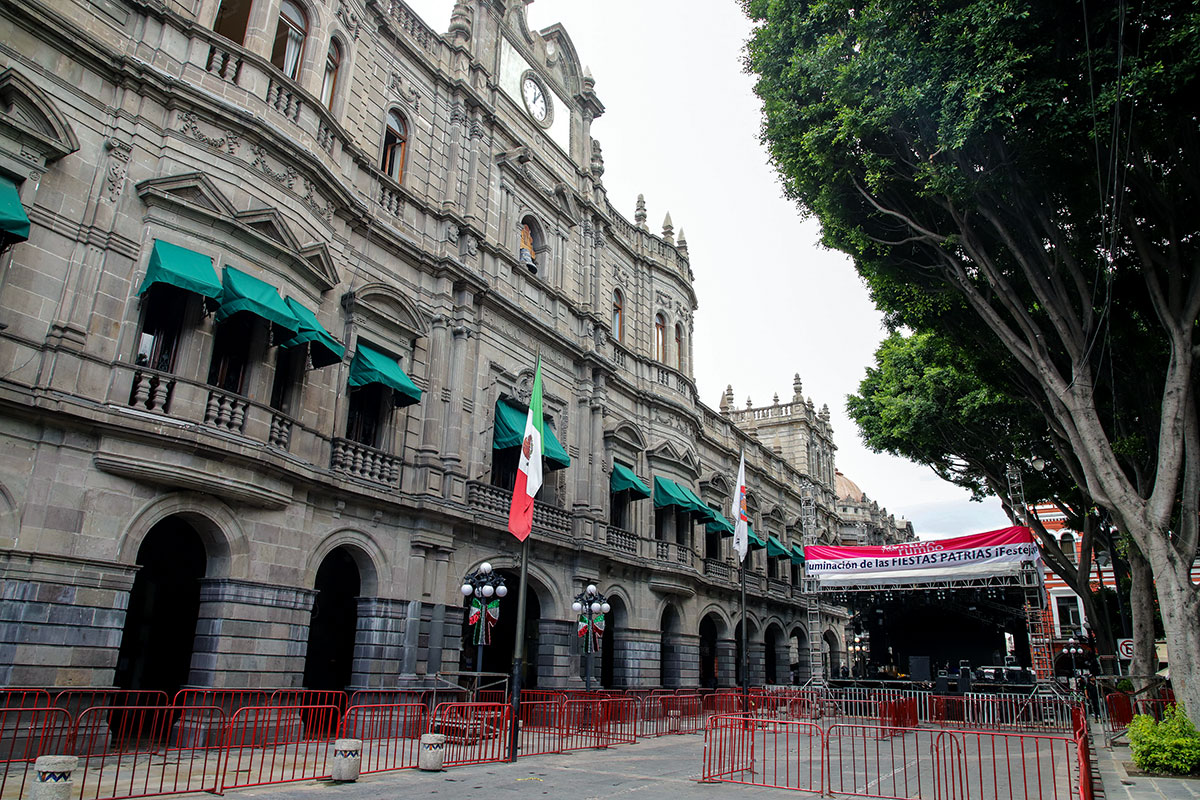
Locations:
(10, 522)
(224, 540)
(721, 614)
(775, 667)
(550, 590)
(368, 556)
(388, 306)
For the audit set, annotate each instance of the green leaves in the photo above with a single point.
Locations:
(1171, 746)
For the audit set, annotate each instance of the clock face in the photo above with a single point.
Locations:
(536, 99)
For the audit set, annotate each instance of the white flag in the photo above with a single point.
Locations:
(741, 541)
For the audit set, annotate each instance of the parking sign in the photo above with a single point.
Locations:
(1125, 649)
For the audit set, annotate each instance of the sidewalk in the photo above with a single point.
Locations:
(1120, 785)
(665, 767)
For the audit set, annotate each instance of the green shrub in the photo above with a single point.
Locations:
(1125, 685)
(1171, 746)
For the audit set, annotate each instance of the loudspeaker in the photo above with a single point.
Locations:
(918, 668)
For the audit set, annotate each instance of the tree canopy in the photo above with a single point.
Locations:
(1023, 174)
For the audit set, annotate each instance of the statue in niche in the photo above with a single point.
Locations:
(527, 255)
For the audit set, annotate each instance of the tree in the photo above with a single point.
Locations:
(1024, 173)
(930, 401)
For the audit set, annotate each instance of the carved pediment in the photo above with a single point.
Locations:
(626, 433)
(718, 484)
(28, 115)
(388, 306)
(318, 257)
(192, 188)
(667, 451)
(268, 222)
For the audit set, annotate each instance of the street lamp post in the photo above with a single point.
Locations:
(1073, 650)
(858, 652)
(486, 587)
(591, 607)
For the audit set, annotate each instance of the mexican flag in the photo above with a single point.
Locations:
(529, 471)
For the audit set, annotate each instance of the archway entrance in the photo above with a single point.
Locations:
(833, 655)
(498, 655)
(329, 662)
(798, 649)
(160, 623)
(709, 665)
(610, 643)
(668, 658)
(771, 655)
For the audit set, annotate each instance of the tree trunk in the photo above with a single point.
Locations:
(1141, 602)
(1098, 622)
(1179, 604)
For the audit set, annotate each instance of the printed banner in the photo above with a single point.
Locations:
(1001, 552)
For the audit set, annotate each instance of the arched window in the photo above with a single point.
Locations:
(618, 316)
(333, 62)
(1067, 542)
(533, 243)
(660, 337)
(289, 38)
(395, 146)
(679, 347)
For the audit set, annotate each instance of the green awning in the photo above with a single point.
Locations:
(242, 292)
(797, 555)
(510, 431)
(719, 524)
(371, 366)
(775, 548)
(14, 222)
(325, 349)
(698, 506)
(667, 493)
(178, 266)
(624, 480)
(752, 537)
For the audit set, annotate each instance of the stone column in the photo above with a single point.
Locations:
(435, 403)
(440, 567)
(558, 664)
(600, 481)
(452, 435)
(727, 662)
(232, 611)
(379, 642)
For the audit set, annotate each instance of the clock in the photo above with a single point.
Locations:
(537, 99)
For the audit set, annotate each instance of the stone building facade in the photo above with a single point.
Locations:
(287, 268)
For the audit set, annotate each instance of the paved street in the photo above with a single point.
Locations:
(666, 767)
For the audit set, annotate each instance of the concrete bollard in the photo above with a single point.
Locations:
(432, 754)
(674, 721)
(347, 759)
(54, 777)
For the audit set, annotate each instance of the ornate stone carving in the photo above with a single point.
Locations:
(452, 233)
(405, 91)
(469, 245)
(597, 160)
(315, 203)
(118, 166)
(191, 126)
(286, 178)
(663, 299)
(349, 19)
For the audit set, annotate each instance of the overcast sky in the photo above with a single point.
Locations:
(681, 127)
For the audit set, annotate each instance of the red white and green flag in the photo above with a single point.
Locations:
(529, 471)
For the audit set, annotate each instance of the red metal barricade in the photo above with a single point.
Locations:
(25, 734)
(582, 725)
(278, 744)
(1120, 711)
(121, 752)
(541, 728)
(24, 698)
(476, 733)
(389, 697)
(764, 752)
(390, 734)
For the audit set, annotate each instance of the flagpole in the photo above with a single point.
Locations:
(745, 660)
(518, 653)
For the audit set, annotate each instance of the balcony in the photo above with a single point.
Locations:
(673, 553)
(718, 569)
(621, 540)
(494, 501)
(364, 463)
(778, 588)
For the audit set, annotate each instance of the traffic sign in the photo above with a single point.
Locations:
(1125, 648)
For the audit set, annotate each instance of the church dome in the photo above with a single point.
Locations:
(846, 489)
